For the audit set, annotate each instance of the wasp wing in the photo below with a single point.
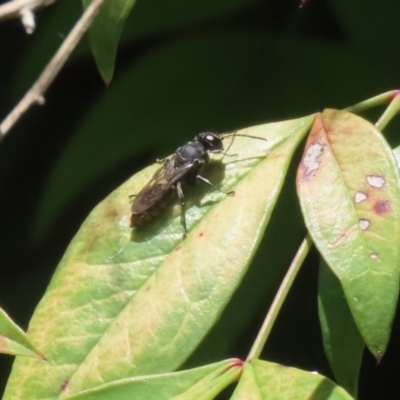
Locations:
(164, 178)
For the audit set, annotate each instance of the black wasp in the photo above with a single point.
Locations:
(186, 166)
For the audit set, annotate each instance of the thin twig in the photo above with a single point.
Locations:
(35, 94)
(391, 111)
(15, 8)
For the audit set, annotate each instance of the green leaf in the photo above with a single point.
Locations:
(396, 153)
(342, 342)
(348, 185)
(105, 31)
(124, 304)
(262, 380)
(199, 383)
(13, 340)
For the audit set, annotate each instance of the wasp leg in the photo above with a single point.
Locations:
(182, 200)
(230, 193)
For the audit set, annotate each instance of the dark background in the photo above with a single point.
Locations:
(185, 67)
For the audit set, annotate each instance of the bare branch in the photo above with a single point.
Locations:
(28, 20)
(15, 8)
(36, 93)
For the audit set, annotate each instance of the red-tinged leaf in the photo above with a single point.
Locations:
(262, 380)
(13, 339)
(125, 302)
(202, 383)
(105, 32)
(349, 191)
(343, 344)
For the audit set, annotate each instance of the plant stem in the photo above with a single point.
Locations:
(373, 102)
(389, 113)
(279, 299)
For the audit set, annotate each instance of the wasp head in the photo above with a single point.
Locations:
(211, 141)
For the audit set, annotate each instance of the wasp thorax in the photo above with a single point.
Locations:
(190, 152)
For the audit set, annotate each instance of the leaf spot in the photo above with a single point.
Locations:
(376, 181)
(360, 197)
(364, 224)
(382, 207)
(112, 213)
(64, 384)
(373, 256)
(310, 160)
(124, 222)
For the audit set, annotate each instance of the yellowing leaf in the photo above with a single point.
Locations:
(349, 191)
(127, 303)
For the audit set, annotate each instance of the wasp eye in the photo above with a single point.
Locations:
(210, 138)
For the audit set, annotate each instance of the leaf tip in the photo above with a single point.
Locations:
(378, 357)
(237, 362)
(107, 80)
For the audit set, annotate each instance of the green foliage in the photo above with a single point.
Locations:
(349, 190)
(149, 296)
(105, 33)
(268, 381)
(122, 312)
(343, 343)
(13, 340)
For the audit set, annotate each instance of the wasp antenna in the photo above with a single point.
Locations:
(233, 135)
(226, 135)
(247, 136)
(254, 137)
